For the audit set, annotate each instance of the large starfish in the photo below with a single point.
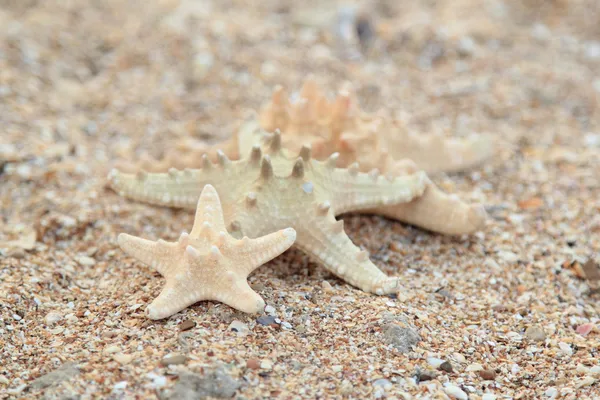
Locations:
(264, 193)
(207, 263)
(335, 127)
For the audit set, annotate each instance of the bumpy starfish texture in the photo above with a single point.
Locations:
(266, 192)
(207, 263)
(434, 210)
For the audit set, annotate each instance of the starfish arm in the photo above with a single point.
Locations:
(435, 153)
(182, 188)
(209, 212)
(239, 295)
(437, 212)
(159, 255)
(354, 191)
(249, 254)
(174, 297)
(325, 241)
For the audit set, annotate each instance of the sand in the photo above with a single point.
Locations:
(511, 311)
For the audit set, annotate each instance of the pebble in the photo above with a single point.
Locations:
(336, 368)
(535, 333)
(466, 46)
(446, 367)
(266, 364)
(488, 374)
(119, 386)
(455, 392)
(270, 310)
(4, 380)
(186, 325)
(86, 261)
(173, 359)
(266, 320)
(474, 368)
(584, 329)
(382, 383)
(551, 392)
(488, 396)
(435, 362)
(17, 317)
(565, 348)
(253, 364)
(123, 358)
(427, 375)
(587, 381)
(286, 325)
(326, 287)
(52, 318)
(111, 349)
(239, 327)
(64, 372)
(402, 338)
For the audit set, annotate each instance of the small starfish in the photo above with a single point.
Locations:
(264, 193)
(207, 263)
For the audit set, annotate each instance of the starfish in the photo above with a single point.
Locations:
(207, 263)
(341, 125)
(262, 193)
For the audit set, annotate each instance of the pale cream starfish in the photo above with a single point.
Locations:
(207, 263)
(263, 193)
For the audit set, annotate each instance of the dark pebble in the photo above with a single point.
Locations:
(186, 325)
(266, 320)
(446, 366)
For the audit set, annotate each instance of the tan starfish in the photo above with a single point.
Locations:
(264, 193)
(207, 263)
(341, 126)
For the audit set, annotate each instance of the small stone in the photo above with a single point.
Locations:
(595, 370)
(173, 359)
(86, 261)
(455, 392)
(466, 46)
(111, 349)
(266, 364)
(487, 374)
(123, 358)
(17, 317)
(584, 329)
(446, 367)
(327, 288)
(587, 381)
(551, 392)
(214, 383)
(383, 383)
(488, 396)
(239, 327)
(270, 310)
(336, 368)
(253, 364)
(401, 337)
(535, 333)
(4, 380)
(52, 318)
(435, 362)
(565, 348)
(266, 320)
(186, 325)
(426, 375)
(65, 372)
(286, 325)
(474, 367)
